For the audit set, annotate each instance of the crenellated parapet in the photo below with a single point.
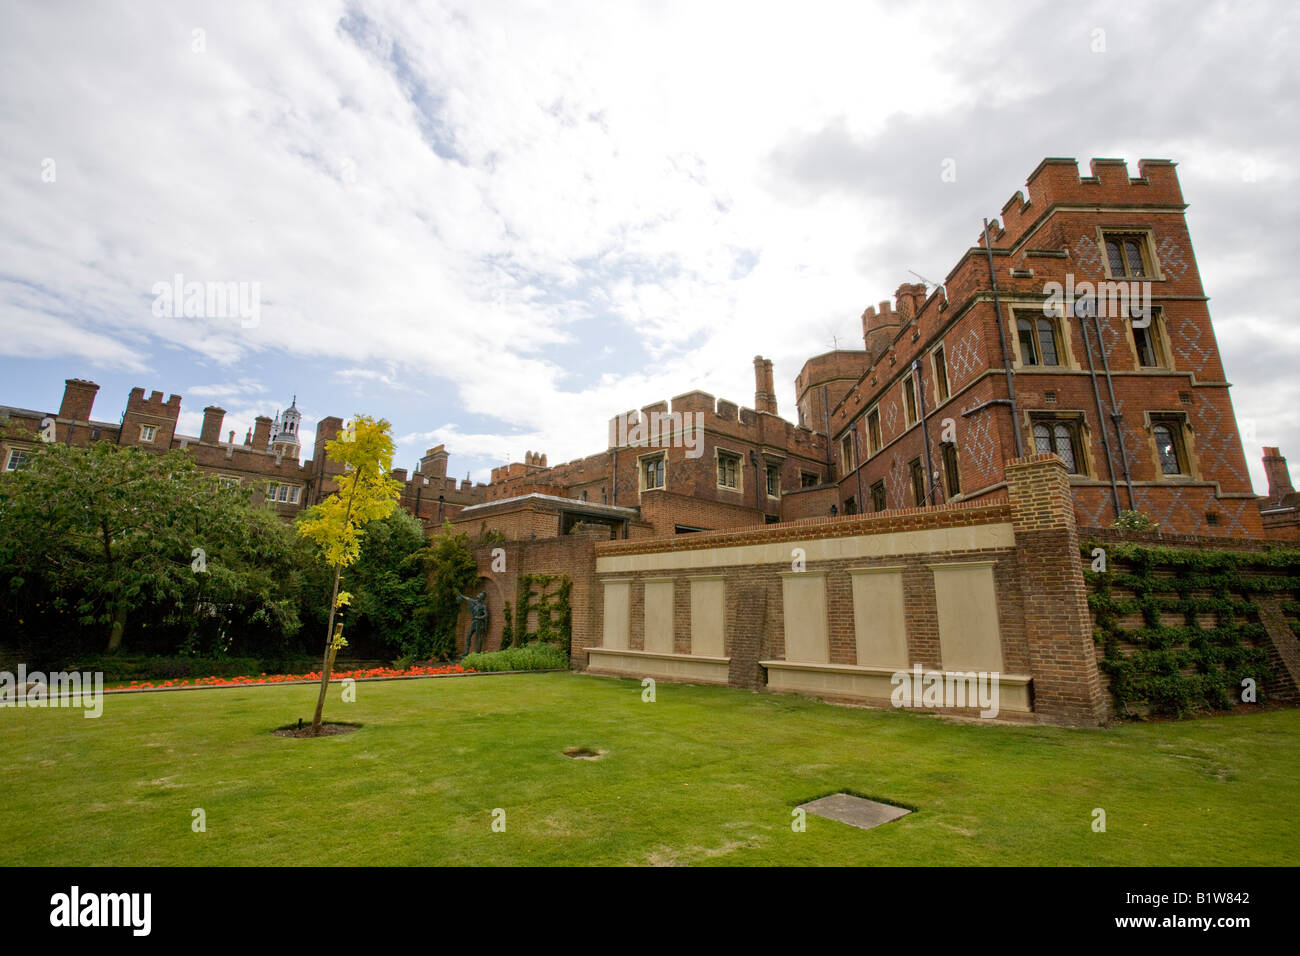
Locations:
(1056, 181)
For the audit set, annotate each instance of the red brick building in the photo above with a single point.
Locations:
(693, 464)
(266, 460)
(995, 365)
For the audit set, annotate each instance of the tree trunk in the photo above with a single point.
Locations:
(117, 630)
(327, 663)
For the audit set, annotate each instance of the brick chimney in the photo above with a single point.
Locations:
(210, 434)
(434, 462)
(78, 399)
(1279, 476)
(261, 432)
(327, 429)
(764, 392)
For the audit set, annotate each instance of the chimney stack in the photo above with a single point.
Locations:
(78, 399)
(210, 434)
(764, 392)
(1279, 476)
(261, 432)
(434, 462)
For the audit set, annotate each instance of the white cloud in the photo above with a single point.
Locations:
(433, 198)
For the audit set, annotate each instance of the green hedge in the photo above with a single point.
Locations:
(531, 657)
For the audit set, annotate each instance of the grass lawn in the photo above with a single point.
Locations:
(704, 775)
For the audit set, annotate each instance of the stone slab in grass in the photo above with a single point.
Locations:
(855, 811)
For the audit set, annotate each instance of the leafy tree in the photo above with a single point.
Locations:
(95, 536)
(336, 525)
(447, 565)
(387, 585)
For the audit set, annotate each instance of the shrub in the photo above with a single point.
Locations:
(532, 657)
(1135, 521)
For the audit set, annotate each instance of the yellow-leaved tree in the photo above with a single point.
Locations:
(366, 493)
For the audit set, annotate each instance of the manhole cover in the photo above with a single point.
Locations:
(855, 811)
(584, 753)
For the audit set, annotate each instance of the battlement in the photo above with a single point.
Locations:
(882, 314)
(1056, 180)
(171, 407)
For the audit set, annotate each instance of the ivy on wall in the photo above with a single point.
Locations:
(547, 595)
(1173, 663)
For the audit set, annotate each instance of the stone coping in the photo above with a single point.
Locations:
(961, 514)
(870, 671)
(655, 655)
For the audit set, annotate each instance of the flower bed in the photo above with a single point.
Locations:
(374, 672)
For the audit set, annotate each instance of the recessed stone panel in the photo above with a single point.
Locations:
(967, 603)
(708, 612)
(878, 620)
(804, 609)
(618, 596)
(659, 616)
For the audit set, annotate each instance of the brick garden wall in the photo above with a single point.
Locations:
(573, 555)
(1043, 623)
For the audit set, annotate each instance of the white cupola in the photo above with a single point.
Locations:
(284, 431)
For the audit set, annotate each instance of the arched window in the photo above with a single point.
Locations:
(1028, 354)
(1039, 342)
(1047, 341)
(1124, 255)
(1042, 439)
(1167, 449)
(1065, 446)
(1059, 438)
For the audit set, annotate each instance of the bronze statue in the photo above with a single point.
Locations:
(478, 625)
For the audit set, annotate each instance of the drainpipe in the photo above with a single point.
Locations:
(925, 432)
(1002, 339)
(1115, 417)
(826, 407)
(857, 464)
(1101, 416)
(758, 491)
(613, 484)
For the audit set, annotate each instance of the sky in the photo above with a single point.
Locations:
(497, 225)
